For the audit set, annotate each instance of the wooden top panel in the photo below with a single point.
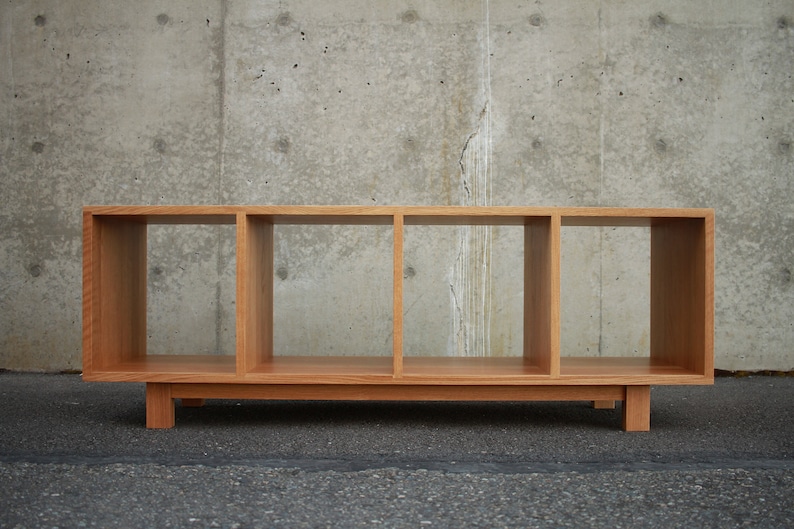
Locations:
(167, 214)
(416, 215)
(313, 218)
(641, 217)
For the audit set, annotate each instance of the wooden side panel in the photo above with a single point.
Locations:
(708, 295)
(117, 292)
(682, 294)
(397, 311)
(254, 292)
(541, 293)
(88, 295)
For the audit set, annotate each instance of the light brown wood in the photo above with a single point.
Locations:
(176, 364)
(254, 292)
(682, 294)
(398, 392)
(603, 404)
(325, 368)
(681, 323)
(637, 409)
(541, 293)
(90, 316)
(397, 310)
(159, 406)
(118, 292)
(168, 214)
(438, 368)
(631, 217)
(352, 215)
(619, 365)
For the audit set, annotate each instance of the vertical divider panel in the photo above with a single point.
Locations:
(541, 293)
(254, 291)
(397, 332)
(241, 293)
(555, 305)
(118, 291)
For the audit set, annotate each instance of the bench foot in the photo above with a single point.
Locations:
(637, 409)
(159, 406)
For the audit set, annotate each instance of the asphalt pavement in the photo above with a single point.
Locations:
(77, 454)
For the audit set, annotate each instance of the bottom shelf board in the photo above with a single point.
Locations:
(581, 366)
(440, 366)
(380, 369)
(175, 364)
(325, 365)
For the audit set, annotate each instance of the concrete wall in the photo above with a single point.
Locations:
(664, 103)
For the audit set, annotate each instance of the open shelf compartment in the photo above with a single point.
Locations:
(681, 298)
(539, 243)
(257, 357)
(115, 295)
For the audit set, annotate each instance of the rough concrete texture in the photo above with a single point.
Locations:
(666, 103)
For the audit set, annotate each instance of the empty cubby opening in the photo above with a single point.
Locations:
(191, 286)
(463, 291)
(605, 291)
(333, 290)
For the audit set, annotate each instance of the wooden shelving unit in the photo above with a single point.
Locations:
(115, 328)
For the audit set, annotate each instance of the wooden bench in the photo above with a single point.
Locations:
(115, 304)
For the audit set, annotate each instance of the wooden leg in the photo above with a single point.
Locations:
(159, 406)
(192, 403)
(604, 404)
(637, 409)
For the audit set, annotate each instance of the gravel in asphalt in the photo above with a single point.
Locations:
(75, 454)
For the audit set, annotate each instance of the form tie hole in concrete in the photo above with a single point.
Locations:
(162, 19)
(37, 147)
(409, 272)
(661, 146)
(659, 20)
(536, 20)
(283, 145)
(409, 17)
(35, 270)
(782, 23)
(537, 143)
(284, 19)
(40, 21)
(159, 145)
(784, 146)
(282, 273)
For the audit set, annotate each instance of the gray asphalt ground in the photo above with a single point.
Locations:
(75, 454)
